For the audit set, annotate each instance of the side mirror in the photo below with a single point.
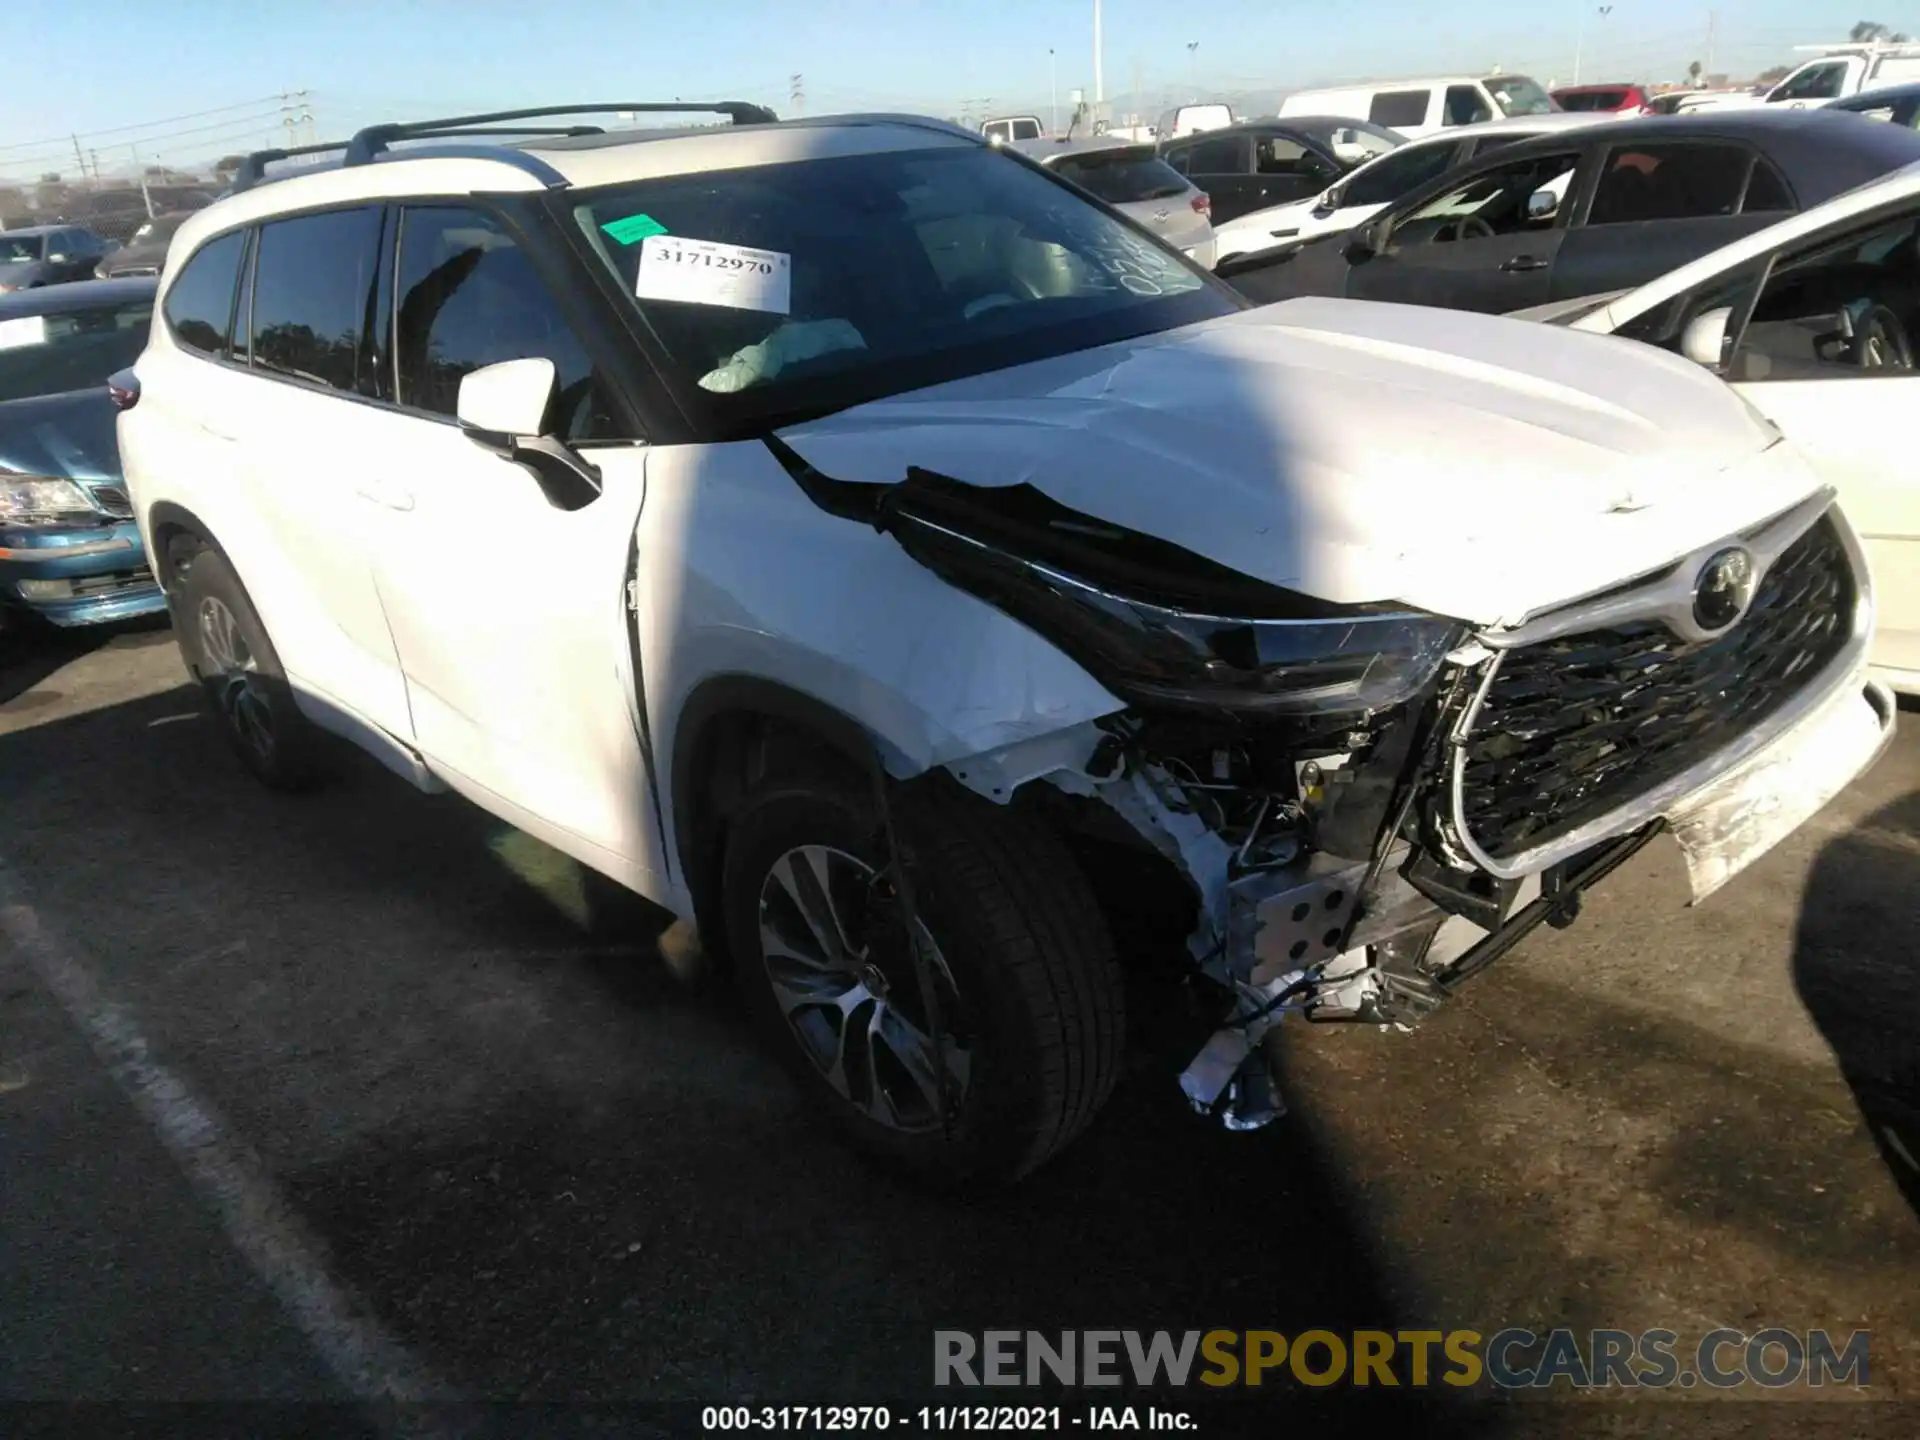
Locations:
(509, 398)
(502, 408)
(59, 257)
(1543, 204)
(1328, 201)
(1704, 341)
(1366, 240)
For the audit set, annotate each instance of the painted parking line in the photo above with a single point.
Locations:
(368, 1364)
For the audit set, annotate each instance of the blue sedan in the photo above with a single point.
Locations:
(69, 549)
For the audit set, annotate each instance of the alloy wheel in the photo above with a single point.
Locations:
(239, 686)
(842, 968)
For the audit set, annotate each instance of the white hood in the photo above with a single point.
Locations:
(1466, 464)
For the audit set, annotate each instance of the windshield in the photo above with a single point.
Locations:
(1351, 141)
(1121, 177)
(21, 249)
(809, 286)
(77, 350)
(1590, 100)
(1518, 95)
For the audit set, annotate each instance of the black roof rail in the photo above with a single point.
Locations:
(253, 169)
(376, 138)
(369, 144)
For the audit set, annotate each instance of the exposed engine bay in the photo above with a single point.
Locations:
(1369, 804)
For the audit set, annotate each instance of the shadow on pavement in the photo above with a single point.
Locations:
(1856, 966)
(558, 1174)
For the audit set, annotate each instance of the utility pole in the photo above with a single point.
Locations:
(1193, 71)
(1580, 36)
(79, 158)
(1053, 94)
(146, 197)
(797, 94)
(294, 114)
(1713, 31)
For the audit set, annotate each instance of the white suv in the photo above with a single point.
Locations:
(848, 535)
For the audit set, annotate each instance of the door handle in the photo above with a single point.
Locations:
(1524, 262)
(392, 497)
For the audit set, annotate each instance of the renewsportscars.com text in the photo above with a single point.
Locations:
(1510, 1359)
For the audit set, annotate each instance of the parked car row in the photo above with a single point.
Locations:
(921, 571)
(69, 549)
(1779, 249)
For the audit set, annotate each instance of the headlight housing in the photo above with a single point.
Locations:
(1161, 626)
(42, 500)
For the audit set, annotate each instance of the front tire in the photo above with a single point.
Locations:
(227, 649)
(1027, 988)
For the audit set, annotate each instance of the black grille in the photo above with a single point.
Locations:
(1575, 727)
(113, 500)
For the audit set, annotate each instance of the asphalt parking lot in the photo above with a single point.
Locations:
(305, 1095)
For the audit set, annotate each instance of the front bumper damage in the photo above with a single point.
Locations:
(1387, 935)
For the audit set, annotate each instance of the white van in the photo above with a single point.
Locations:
(1426, 107)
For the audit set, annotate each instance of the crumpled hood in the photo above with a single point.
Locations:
(1465, 464)
(70, 435)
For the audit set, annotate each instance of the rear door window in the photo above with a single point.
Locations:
(1398, 109)
(199, 306)
(1669, 182)
(1220, 155)
(313, 291)
(1122, 177)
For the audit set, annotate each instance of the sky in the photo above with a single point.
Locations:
(182, 81)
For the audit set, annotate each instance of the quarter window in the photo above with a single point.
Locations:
(1766, 190)
(1669, 182)
(312, 291)
(468, 297)
(1399, 109)
(199, 306)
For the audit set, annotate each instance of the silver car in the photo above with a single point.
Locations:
(1131, 177)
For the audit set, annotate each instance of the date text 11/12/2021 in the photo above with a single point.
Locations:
(942, 1419)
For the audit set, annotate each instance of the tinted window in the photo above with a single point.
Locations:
(20, 249)
(1669, 182)
(1399, 108)
(1589, 100)
(1385, 181)
(821, 282)
(1465, 107)
(1121, 177)
(312, 288)
(200, 300)
(1222, 155)
(468, 297)
(1766, 190)
(77, 350)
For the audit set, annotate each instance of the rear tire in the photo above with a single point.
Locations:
(1030, 994)
(227, 649)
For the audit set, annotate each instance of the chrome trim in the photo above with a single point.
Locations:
(1667, 595)
(1845, 669)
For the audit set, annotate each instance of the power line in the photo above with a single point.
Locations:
(195, 136)
(146, 124)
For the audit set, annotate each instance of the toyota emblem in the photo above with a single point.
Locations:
(1723, 589)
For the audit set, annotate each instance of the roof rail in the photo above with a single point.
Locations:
(253, 169)
(376, 138)
(368, 144)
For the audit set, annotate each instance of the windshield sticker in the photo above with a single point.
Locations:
(707, 272)
(22, 332)
(633, 229)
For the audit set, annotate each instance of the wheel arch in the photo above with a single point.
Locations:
(729, 728)
(166, 522)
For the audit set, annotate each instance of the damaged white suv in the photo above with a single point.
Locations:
(849, 535)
